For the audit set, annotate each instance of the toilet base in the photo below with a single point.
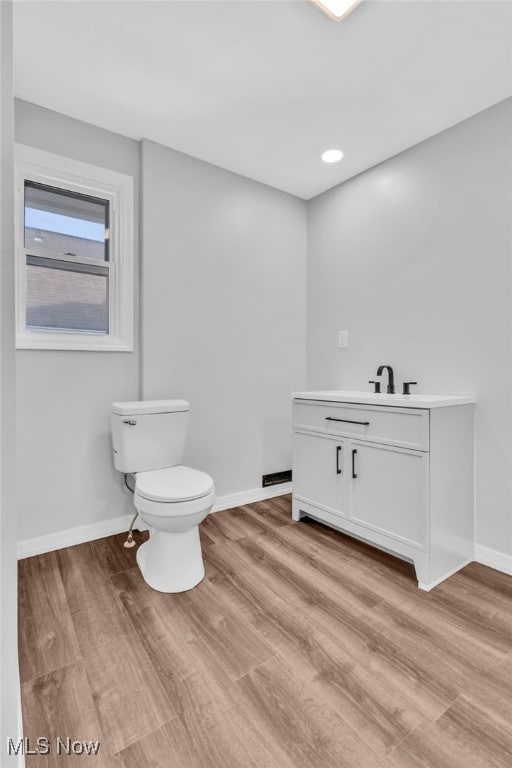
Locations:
(172, 562)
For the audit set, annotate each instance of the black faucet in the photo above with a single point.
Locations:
(391, 378)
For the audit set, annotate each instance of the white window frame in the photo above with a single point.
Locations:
(65, 173)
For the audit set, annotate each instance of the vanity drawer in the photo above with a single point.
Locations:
(406, 427)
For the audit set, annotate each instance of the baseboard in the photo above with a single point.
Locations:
(72, 536)
(494, 559)
(21, 757)
(249, 497)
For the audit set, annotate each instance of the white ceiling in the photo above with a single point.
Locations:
(263, 87)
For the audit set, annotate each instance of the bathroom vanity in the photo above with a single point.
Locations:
(396, 471)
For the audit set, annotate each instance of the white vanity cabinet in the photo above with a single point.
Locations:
(395, 471)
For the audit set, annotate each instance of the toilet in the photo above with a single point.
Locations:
(148, 440)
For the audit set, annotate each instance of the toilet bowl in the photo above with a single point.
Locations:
(172, 502)
(148, 441)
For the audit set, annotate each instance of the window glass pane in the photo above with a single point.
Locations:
(58, 221)
(66, 297)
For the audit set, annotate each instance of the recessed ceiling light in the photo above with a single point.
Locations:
(337, 9)
(332, 155)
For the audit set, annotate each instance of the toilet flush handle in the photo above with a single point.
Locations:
(131, 422)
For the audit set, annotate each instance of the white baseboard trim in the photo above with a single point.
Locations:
(494, 559)
(72, 536)
(249, 497)
(21, 757)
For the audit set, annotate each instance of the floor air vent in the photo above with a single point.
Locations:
(276, 478)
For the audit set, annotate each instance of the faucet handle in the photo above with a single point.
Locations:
(376, 385)
(407, 384)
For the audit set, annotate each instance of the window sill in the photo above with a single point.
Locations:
(71, 341)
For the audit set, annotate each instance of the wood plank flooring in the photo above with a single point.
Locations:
(302, 648)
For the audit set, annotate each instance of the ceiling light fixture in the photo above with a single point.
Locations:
(337, 10)
(332, 155)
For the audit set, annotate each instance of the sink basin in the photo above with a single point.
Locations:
(399, 401)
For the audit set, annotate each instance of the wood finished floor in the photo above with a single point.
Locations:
(302, 648)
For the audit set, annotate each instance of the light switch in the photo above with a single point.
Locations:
(342, 339)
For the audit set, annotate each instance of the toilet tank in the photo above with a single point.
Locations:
(149, 434)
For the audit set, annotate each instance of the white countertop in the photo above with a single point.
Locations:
(399, 401)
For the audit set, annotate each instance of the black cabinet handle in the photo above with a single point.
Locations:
(348, 421)
(338, 451)
(354, 451)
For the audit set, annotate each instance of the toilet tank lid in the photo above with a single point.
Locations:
(139, 407)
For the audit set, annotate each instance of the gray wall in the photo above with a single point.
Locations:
(414, 258)
(9, 681)
(224, 323)
(221, 328)
(66, 476)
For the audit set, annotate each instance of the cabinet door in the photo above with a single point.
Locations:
(319, 471)
(389, 491)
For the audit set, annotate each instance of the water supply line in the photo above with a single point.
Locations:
(126, 483)
(129, 543)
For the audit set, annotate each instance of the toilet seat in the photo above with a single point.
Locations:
(173, 484)
(174, 493)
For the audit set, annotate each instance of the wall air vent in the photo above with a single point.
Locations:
(276, 478)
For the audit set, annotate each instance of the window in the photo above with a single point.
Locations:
(74, 243)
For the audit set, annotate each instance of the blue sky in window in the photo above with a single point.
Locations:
(64, 225)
